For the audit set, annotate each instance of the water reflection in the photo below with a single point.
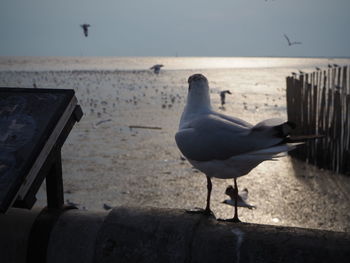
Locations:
(106, 162)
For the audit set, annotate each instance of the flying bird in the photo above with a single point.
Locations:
(224, 146)
(242, 197)
(223, 96)
(156, 68)
(85, 27)
(290, 43)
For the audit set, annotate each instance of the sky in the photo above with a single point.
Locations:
(221, 28)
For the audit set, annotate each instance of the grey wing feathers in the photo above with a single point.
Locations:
(234, 120)
(211, 137)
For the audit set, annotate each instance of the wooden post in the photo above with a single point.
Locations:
(54, 183)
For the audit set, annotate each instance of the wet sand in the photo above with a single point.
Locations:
(106, 161)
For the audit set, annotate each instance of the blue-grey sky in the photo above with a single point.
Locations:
(167, 28)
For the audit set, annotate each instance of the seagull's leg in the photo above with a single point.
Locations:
(209, 187)
(206, 211)
(235, 217)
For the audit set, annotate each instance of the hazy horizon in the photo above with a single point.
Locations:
(164, 28)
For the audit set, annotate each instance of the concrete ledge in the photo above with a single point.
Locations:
(127, 234)
(164, 235)
(15, 228)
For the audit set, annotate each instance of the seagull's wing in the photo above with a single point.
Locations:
(210, 137)
(287, 38)
(234, 120)
(244, 194)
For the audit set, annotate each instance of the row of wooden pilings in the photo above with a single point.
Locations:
(319, 103)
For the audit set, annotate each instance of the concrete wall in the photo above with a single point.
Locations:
(166, 235)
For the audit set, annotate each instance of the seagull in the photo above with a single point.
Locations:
(317, 68)
(241, 198)
(291, 43)
(85, 27)
(156, 68)
(223, 96)
(222, 146)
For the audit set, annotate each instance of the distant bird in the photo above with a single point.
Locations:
(335, 65)
(294, 74)
(223, 96)
(156, 68)
(301, 72)
(317, 68)
(330, 66)
(85, 27)
(107, 207)
(291, 43)
(241, 200)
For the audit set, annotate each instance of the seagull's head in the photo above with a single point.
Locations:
(198, 82)
(198, 90)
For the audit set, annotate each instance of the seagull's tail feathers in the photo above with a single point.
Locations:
(274, 127)
(302, 138)
(276, 151)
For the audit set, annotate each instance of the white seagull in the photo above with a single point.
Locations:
(290, 43)
(222, 146)
(156, 68)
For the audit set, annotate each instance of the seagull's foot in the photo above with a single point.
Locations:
(201, 211)
(231, 220)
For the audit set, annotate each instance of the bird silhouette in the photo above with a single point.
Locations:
(156, 68)
(242, 198)
(85, 27)
(223, 96)
(290, 43)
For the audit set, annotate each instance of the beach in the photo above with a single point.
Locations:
(123, 151)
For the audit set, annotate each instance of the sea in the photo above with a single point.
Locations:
(111, 157)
